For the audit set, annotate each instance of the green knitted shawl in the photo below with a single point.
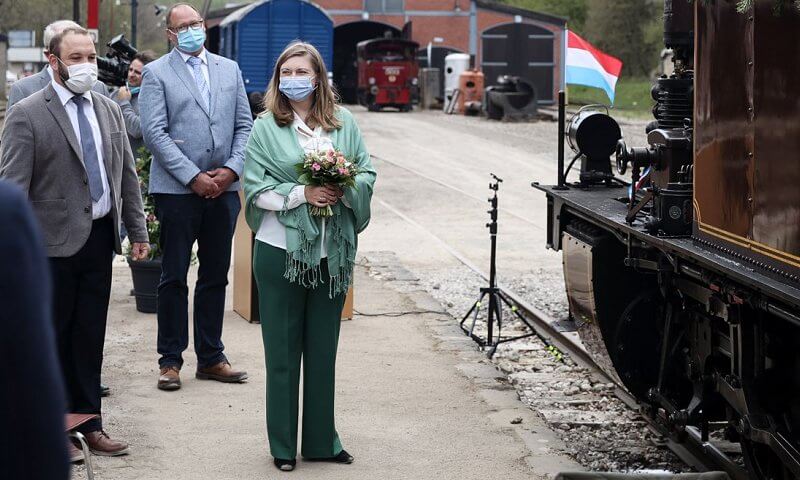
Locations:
(270, 157)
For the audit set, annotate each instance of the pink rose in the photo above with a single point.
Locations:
(343, 171)
(315, 167)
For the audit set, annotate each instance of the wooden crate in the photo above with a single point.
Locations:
(245, 293)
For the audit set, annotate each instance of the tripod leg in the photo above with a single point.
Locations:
(469, 312)
(490, 319)
(477, 308)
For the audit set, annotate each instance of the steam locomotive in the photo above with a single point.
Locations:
(685, 280)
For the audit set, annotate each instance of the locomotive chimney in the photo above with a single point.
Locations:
(679, 31)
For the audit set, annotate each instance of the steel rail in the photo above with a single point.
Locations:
(693, 451)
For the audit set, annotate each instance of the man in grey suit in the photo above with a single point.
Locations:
(66, 147)
(196, 120)
(27, 86)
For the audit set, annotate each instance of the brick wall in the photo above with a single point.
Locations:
(452, 25)
(341, 4)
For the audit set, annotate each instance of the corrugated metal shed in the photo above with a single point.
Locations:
(255, 35)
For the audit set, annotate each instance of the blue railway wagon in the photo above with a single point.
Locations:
(255, 35)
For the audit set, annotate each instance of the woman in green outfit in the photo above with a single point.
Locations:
(303, 264)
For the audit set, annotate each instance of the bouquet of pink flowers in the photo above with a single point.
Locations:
(329, 167)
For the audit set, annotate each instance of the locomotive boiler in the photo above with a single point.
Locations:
(685, 277)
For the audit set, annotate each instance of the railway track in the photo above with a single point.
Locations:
(698, 454)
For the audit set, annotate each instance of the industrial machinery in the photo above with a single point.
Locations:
(685, 278)
(388, 74)
(513, 98)
(454, 65)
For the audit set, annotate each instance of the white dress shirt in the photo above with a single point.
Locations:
(101, 207)
(203, 56)
(272, 230)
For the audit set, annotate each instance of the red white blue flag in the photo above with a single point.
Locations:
(586, 65)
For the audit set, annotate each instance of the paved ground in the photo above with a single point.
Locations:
(415, 400)
(434, 170)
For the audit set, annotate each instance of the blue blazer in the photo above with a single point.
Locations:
(184, 137)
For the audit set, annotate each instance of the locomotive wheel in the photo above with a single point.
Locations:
(636, 342)
(762, 463)
(374, 107)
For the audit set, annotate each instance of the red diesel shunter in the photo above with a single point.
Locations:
(387, 73)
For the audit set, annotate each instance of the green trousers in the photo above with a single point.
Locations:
(298, 322)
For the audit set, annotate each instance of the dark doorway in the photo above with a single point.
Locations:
(522, 50)
(345, 65)
(437, 61)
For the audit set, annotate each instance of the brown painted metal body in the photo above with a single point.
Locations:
(747, 132)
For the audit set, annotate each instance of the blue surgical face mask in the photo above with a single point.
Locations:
(297, 88)
(192, 39)
(133, 90)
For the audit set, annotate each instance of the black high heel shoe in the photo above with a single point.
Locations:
(285, 465)
(343, 457)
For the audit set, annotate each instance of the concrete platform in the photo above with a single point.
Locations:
(415, 400)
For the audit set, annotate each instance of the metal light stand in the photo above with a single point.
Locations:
(496, 297)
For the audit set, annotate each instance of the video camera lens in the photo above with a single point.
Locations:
(113, 68)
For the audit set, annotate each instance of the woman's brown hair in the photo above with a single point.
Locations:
(323, 111)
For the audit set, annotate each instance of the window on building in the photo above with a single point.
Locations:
(384, 6)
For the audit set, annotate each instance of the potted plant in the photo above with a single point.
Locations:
(147, 273)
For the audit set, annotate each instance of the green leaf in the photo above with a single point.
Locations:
(304, 178)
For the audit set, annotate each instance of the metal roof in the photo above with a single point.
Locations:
(239, 14)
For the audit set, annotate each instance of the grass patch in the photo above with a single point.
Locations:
(632, 97)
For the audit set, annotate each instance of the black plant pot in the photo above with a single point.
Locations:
(146, 275)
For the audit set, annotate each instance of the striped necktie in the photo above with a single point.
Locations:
(89, 149)
(200, 79)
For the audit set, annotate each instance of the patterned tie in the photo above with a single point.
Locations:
(89, 148)
(200, 80)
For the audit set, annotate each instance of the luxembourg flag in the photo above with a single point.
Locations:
(588, 66)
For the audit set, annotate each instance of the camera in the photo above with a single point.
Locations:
(113, 68)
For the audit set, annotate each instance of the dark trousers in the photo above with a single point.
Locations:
(185, 219)
(82, 287)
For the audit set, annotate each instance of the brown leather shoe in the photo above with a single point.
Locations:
(75, 453)
(101, 444)
(221, 372)
(169, 378)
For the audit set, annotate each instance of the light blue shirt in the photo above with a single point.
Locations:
(203, 64)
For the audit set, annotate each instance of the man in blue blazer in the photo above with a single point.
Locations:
(196, 120)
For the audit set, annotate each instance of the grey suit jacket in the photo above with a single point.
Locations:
(40, 152)
(184, 137)
(25, 87)
(133, 123)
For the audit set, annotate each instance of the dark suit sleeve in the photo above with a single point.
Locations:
(34, 413)
(131, 193)
(17, 154)
(243, 123)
